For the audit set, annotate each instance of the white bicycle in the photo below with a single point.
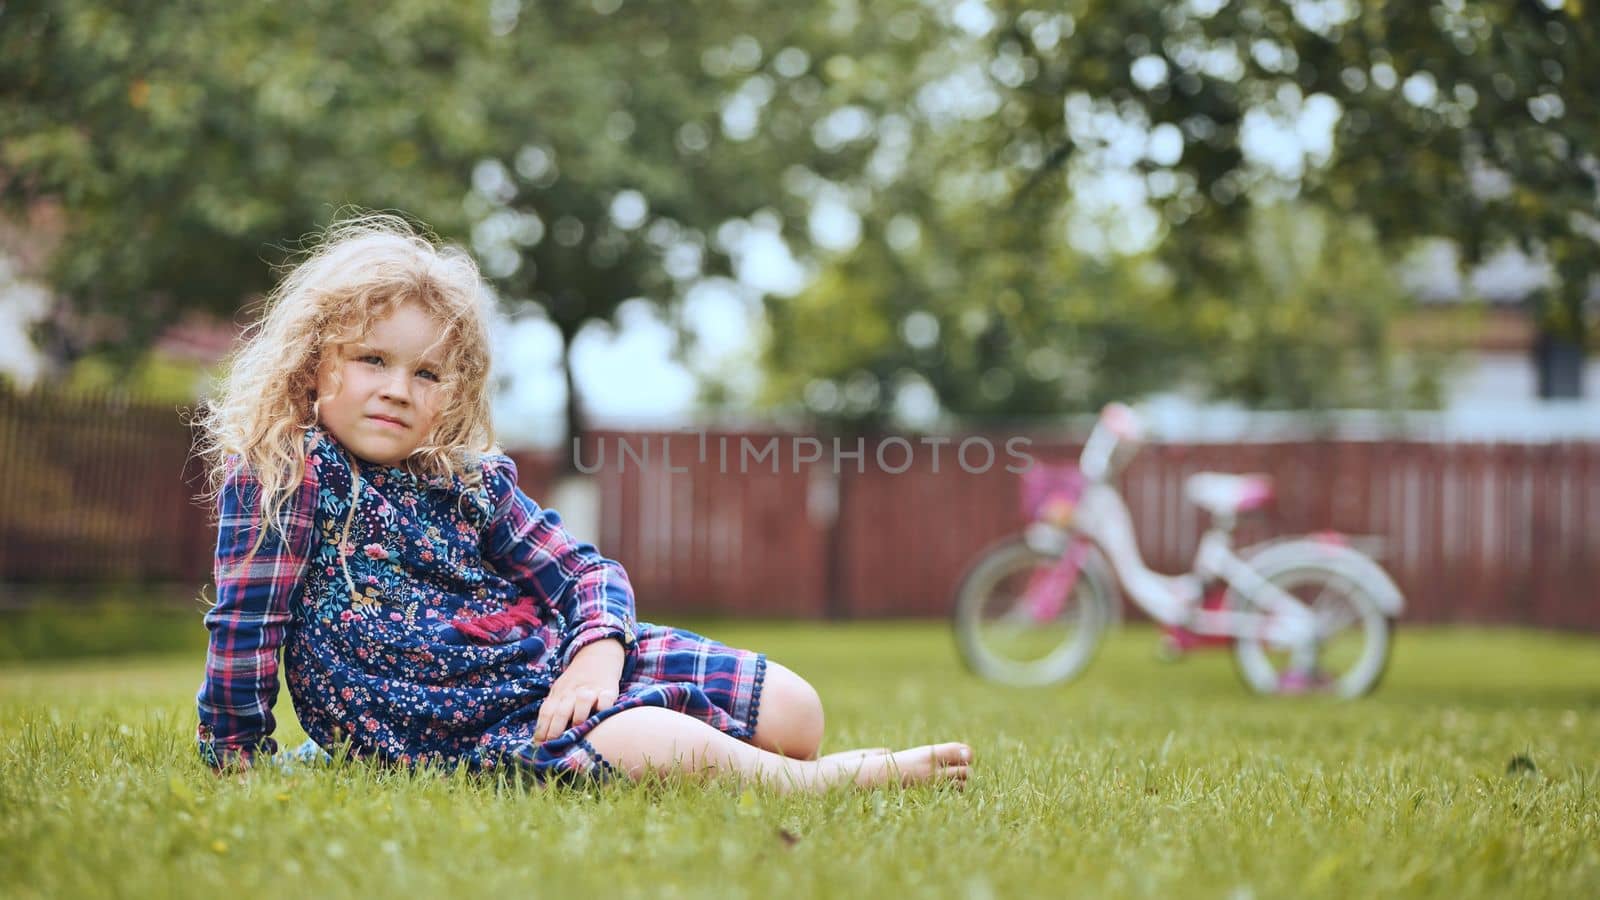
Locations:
(1305, 614)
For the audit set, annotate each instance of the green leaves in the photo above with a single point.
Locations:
(188, 146)
(1290, 155)
(1100, 163)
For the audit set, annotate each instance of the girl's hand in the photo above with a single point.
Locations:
(588, 685)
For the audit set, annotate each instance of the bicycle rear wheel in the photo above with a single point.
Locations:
(1017, 623)
(1354, 636)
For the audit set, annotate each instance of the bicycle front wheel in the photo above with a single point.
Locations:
(1018, 621)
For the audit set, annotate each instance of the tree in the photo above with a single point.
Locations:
(190, 146)
(634, 135)
(588, 153)
(988, 272)
(1458, 119)
(1280, 159)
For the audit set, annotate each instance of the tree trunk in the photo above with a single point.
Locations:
(574, 407)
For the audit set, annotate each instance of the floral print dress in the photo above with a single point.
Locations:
(424, 619)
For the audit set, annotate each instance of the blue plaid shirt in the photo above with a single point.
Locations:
(380, 667)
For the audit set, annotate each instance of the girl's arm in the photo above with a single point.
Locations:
(251, 616)
(528, 546)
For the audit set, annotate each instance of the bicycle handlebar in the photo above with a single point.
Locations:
(1118, 429)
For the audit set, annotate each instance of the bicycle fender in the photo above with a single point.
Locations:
(1352, 563)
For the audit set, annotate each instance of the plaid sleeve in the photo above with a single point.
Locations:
(530, 548)
(251, 616)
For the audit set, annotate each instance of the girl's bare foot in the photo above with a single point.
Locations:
(919, 765)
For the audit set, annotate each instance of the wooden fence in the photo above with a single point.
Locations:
(96, 489)
(101, 491)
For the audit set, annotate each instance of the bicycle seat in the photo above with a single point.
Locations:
(1227, 495)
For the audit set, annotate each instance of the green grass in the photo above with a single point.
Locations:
(64, 624)
(1141, 779)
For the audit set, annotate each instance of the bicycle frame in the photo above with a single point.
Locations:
(1048, 589)
(1102, 519)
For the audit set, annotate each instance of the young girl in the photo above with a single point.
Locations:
(427, 609)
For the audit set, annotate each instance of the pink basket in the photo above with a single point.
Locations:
(1045, 482)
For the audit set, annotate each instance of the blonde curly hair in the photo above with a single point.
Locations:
(360, 270)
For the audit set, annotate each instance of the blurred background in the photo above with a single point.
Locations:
(1353, 245)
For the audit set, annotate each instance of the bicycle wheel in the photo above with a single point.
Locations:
(1017, 623)
(1353, 635)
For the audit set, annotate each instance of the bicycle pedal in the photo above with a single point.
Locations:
(1170, 650)
(1295, 683)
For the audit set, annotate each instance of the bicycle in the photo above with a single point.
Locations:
(1306, 614)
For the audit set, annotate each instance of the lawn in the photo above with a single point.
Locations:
(1141, 779)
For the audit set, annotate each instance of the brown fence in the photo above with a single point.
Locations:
(97, 491)
(1483, 533)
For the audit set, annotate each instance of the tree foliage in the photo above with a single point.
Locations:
(586, 152)
(1013, 208)
(191, 145)
(614, 168)
(1464, 119)
(1280, 158)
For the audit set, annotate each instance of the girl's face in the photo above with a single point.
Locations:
(387, 396)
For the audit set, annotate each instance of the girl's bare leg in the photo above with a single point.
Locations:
(790, 720)
(651, 739)
(858, 753)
